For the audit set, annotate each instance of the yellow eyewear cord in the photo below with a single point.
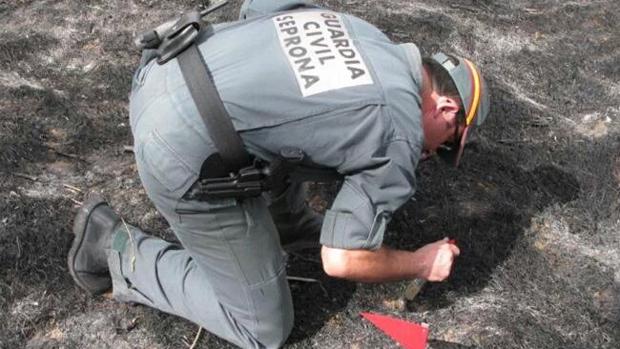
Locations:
(475, 102)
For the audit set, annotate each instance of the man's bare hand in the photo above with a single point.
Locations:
(436, 259)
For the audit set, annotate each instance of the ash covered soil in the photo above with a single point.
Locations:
(535, 206)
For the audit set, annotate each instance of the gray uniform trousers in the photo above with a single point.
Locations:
(228, 275)
(228, 272)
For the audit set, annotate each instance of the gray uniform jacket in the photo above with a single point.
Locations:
(330, 84)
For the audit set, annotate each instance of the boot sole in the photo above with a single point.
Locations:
(79, 230)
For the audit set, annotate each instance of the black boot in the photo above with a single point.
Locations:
(94, 227)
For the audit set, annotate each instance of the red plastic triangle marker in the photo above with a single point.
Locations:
(408, 334)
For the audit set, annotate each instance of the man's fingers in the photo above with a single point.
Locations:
(452, 243)
(455, 249)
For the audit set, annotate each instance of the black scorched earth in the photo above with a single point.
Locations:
(535, 206)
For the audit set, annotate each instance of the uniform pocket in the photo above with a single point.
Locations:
(166, 165)
(219, 219)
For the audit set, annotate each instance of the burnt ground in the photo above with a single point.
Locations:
(535, 206)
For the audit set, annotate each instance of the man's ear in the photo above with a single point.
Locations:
(447, 107)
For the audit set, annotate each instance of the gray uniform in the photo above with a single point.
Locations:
(330, 84)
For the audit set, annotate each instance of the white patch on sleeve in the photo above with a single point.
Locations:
(320, 51)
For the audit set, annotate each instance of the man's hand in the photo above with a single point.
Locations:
(436, 259)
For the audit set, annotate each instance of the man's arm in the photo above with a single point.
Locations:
(432, 262)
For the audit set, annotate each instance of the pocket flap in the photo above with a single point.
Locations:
(166, 165)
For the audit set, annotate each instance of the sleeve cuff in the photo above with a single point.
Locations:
(344, 230)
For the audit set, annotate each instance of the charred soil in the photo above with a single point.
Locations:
(535, 207)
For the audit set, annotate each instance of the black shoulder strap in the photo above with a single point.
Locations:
(219, 125)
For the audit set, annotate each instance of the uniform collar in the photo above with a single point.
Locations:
(415, 65)
(415, 72)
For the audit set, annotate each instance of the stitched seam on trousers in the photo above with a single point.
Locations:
(249, 303)
(253, 287)
(223, 238)
(237, 265)
(265, 282)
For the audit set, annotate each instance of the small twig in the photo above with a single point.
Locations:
(297, 278)
(19, 251)
(360, 339)
(303, 258)
(132, 324)
(509, 141)
(19, 247)
(196, 338)
(79, 203)
(128, 149)
(463, 7)
(72, 188)
(532, 11)
(72, 156)
(25, 176)
(61, 153)
(324, 290)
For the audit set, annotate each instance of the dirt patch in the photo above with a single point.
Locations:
(535, 207)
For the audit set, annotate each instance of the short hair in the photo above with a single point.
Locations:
(443, 84)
